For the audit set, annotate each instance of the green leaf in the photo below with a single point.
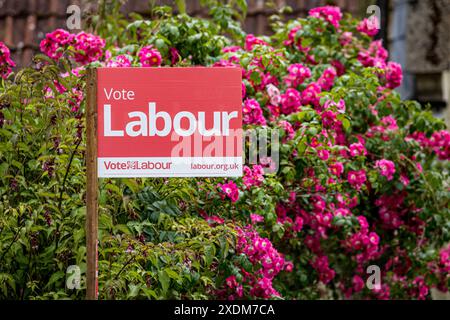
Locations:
(164, 280)
(172, 274)
(181, 5)
(55, 278)
(210, 252)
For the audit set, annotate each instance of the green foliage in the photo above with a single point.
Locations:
(182, 263)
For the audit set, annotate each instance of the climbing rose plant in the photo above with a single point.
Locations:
(362, 176)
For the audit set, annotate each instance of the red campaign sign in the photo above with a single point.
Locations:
(169, 122)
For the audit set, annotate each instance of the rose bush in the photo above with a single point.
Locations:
(362, 178)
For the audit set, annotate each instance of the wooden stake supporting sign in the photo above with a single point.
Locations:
(158, 122)
(92, 186)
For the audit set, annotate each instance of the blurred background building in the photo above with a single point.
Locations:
(417, 33)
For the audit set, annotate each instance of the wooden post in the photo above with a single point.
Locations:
(92, 186)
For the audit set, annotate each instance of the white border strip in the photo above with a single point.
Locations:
(169, 167)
